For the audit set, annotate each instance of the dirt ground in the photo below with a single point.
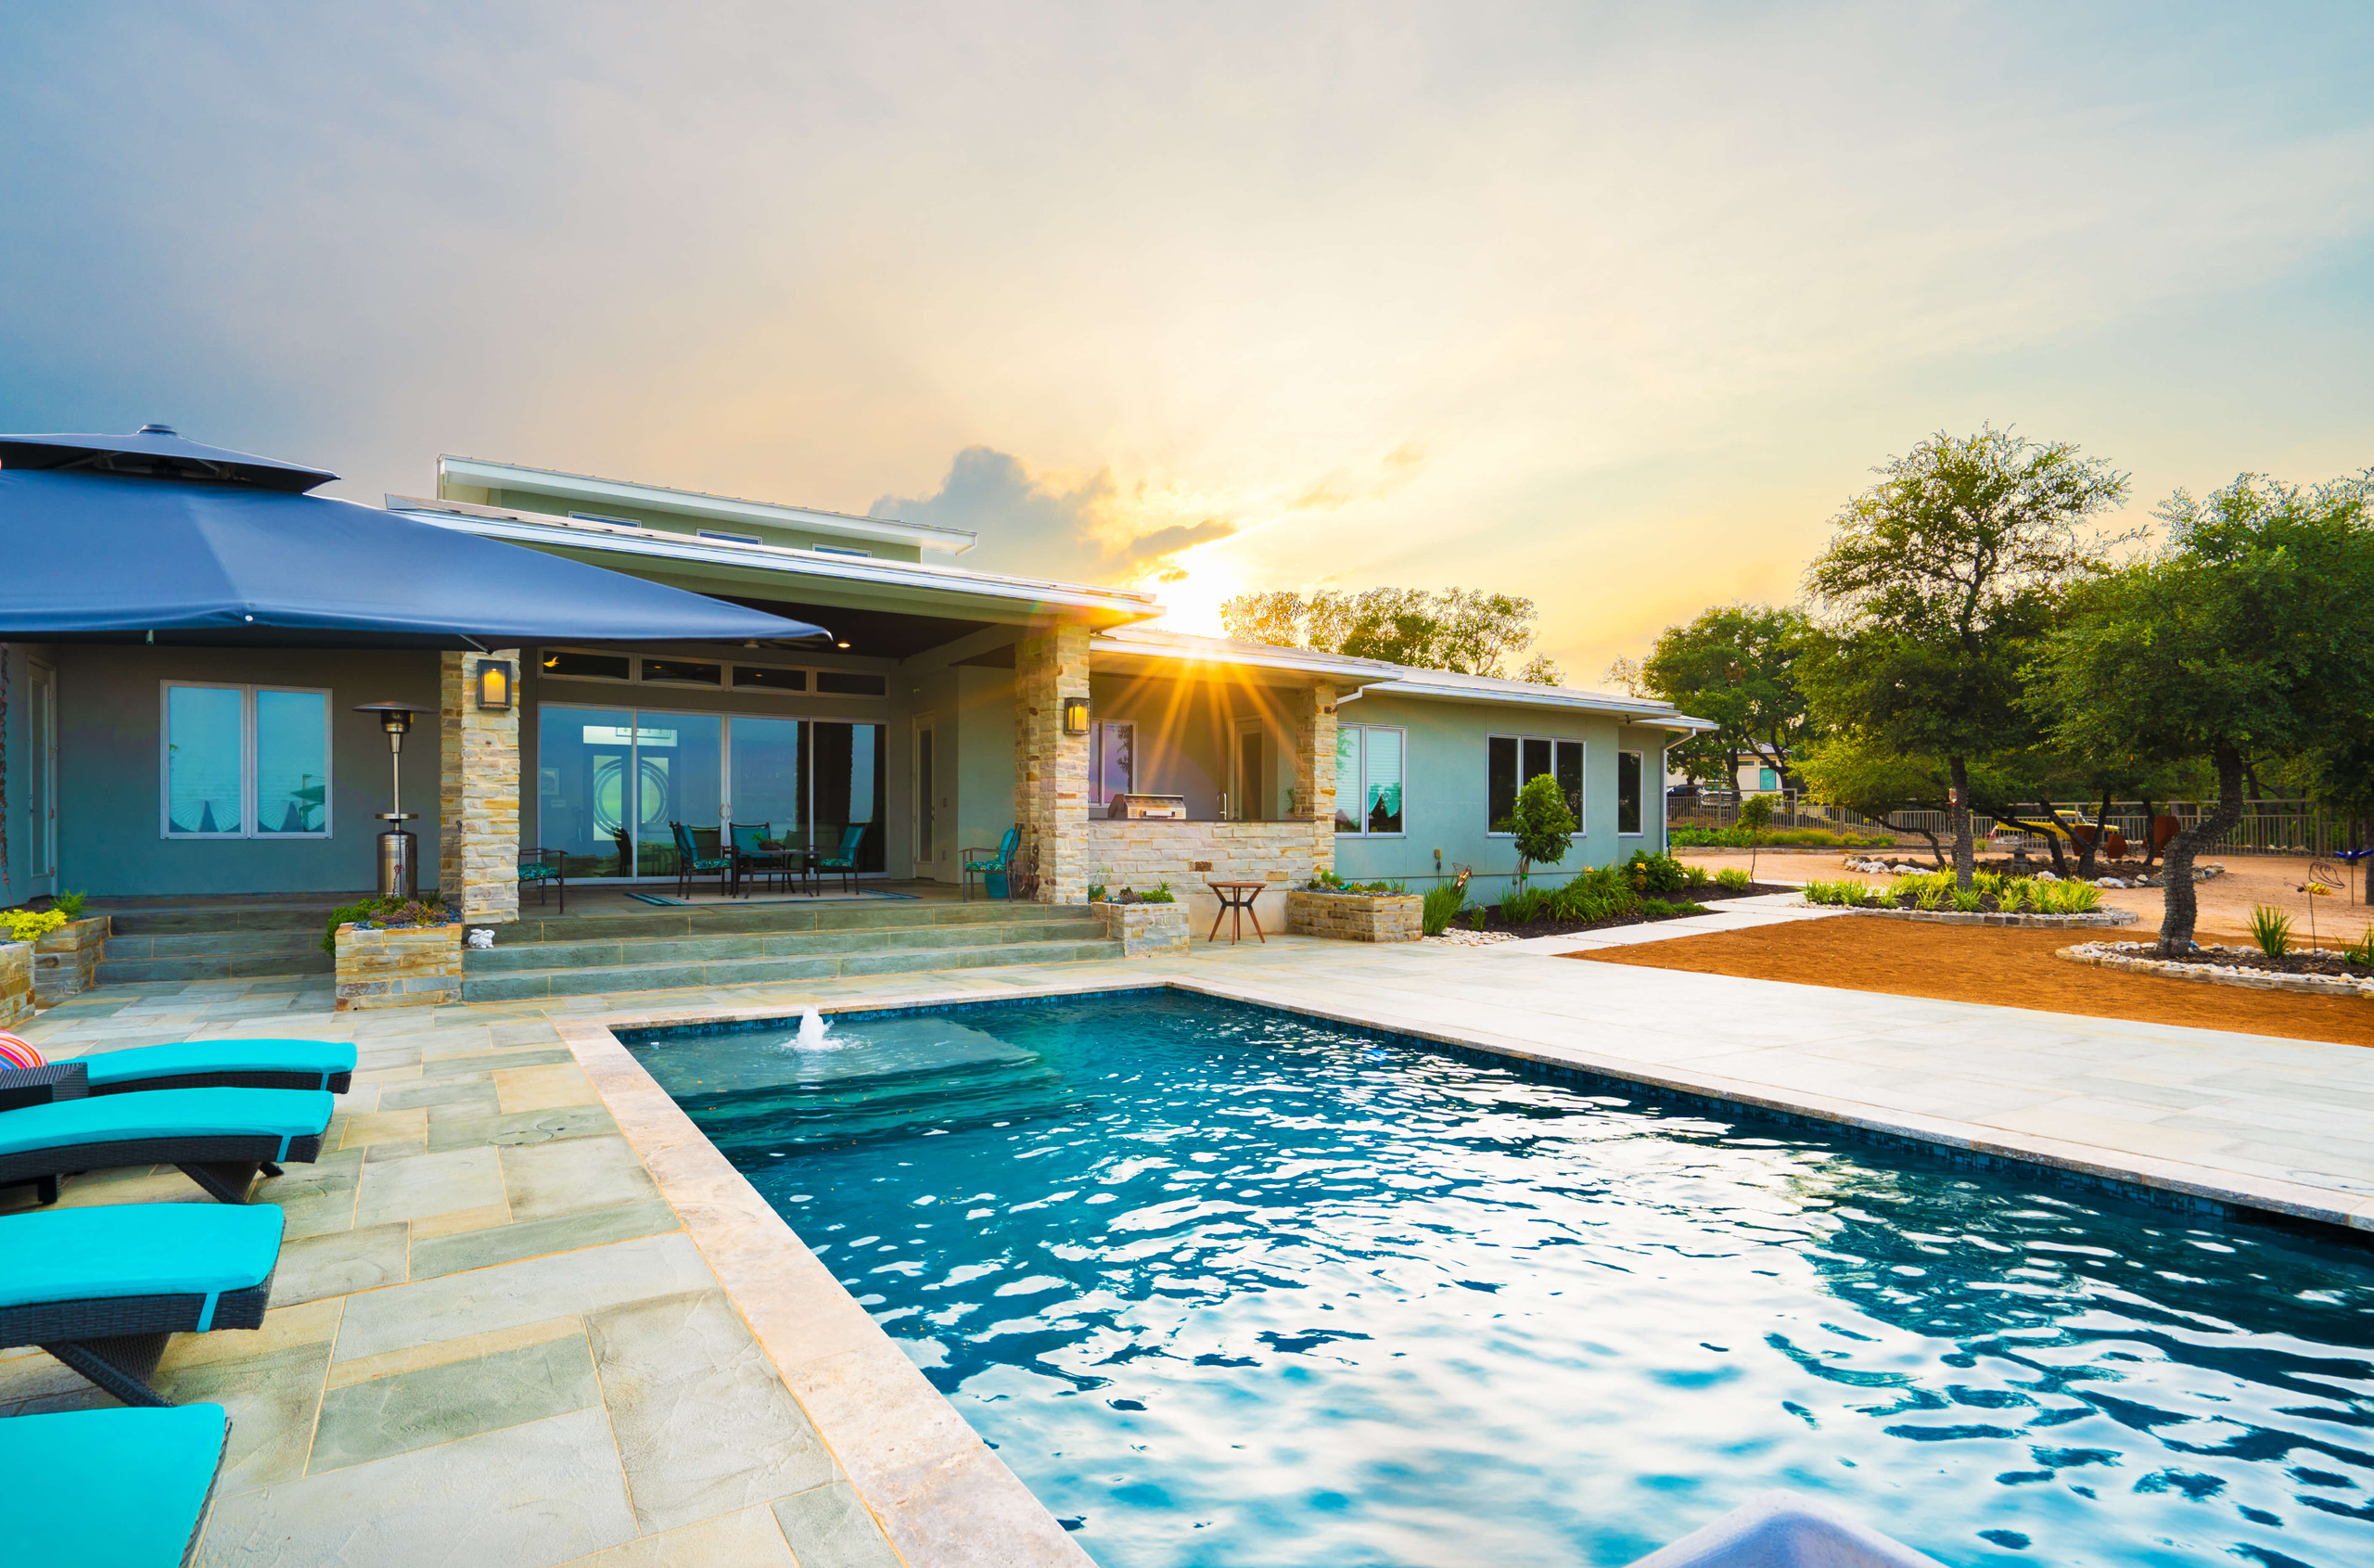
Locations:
(1990, 964)
(2225, 901)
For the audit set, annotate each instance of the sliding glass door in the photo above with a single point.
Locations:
(610, 781)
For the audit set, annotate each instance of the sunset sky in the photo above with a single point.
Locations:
(1610, 306)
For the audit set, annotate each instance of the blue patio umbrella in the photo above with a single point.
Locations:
(152, 538)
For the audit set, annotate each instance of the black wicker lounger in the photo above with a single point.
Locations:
(110, 1488)
(225, 1063)
(220, 1138)
(103, 1288)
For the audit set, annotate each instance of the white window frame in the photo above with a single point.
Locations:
(726, 683)
(1096, 795)
(1360, 814)
(1582, 805)
(1621, 752)
(249, 814)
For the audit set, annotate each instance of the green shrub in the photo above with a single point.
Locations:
(2068, 897)
(1476, 917)
(391, 912)
(1929, 896)
(1730, 879)
(1096, 891)
(1543, 825)
(1597, 893)
(30, 926)
(1967, 901)
(1442, 904)
(2361, 952)
(1655, 873)
(1523, 906)
(1840, 893)
(70, 904)
(1161, 895)
(2271, 929)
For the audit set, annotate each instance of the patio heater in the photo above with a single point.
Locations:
(399, 849)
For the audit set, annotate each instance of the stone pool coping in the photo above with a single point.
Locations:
(941, 1495)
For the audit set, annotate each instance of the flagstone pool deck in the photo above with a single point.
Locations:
(527, 1316)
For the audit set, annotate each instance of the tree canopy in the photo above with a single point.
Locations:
(1454, 629)
(2251, 630)
(1935, 585)
(1736, 665)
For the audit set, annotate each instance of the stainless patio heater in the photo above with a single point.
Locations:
(399, 849)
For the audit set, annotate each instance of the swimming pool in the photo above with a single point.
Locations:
(1231, 1286)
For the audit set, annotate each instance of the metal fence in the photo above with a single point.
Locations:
(2268, 827)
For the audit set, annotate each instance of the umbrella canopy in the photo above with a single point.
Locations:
(89, 555)
(158, 450)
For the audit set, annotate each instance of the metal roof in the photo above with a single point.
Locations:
(158, 452)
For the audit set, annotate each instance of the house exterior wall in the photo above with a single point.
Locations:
(1445, 790)
(110, 771)
(984, 760)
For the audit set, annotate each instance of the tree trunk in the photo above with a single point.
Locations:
(2059, 862)
(2151, 849)
(2087, 852)
(1936, 850)
(1958, 819)
(2181, 907)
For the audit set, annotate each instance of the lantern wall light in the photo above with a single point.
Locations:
(495, 685)
(1075, 716)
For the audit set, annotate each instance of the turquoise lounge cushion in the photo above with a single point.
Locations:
(322, 1056)
(136, 1249)
(168, 1112)
(109, 1488)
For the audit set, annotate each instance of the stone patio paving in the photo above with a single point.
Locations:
(493, 1340)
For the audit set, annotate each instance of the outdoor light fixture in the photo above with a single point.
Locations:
(495, 685)
(399, 850)
(1075, 716)
(840, 644)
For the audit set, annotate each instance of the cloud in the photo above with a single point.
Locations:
(1036, 526)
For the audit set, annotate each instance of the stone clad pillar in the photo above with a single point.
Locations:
(1051, 768)
(477, 796)
(1313, 713)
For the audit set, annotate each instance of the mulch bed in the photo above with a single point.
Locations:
(2006, 968)
(1651, 910)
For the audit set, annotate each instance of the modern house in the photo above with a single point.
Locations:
(946, 705)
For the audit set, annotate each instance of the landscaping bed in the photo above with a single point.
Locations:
(2107, 874)
(1646, 909)
(2317, 971)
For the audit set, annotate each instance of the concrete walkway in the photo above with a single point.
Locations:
(495, 1340)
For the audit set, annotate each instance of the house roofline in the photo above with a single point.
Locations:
(700, 504)
(540, 528)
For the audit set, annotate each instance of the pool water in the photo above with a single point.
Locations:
(1230, 1286)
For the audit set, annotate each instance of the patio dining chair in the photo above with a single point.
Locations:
(844, 860)
(545, 868)
(998, 861)
(691, 862)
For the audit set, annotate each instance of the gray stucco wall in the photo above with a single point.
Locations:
(111, 775)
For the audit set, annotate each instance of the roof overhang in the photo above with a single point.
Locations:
(728, 566)
(1144, 652)
(1512, 693)
(481, 474)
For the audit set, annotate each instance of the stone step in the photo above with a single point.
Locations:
(585, 953)
(202, 922)
(225, 944)
(711, 919)
(522, 984)
(212, 966)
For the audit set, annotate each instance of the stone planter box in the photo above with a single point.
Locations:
(2094, 921)
(1357, 917)
(1145, 930)
(405, 967)
(66, 963)
(16, 984)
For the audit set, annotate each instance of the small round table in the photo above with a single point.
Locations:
(1236, 903)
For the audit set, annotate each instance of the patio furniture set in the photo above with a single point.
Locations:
(103, 1288)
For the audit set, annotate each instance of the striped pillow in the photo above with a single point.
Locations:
(16, 1053)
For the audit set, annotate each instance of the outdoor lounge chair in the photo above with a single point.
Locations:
(545, 868)
(844, 860)
(998, 861)
(691, 862)
(209, 1064)
(102, 1288)
(110, 1489)
(219, 1138)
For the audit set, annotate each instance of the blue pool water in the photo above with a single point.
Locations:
(1227, 1286)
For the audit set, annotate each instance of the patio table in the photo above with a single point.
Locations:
(1236, 903)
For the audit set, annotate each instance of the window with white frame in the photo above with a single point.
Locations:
(1369, 764)
(1628, 792)
(245, 761)
(1513, 761)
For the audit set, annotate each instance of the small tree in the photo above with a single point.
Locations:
(1755, 815)
(1545, 828)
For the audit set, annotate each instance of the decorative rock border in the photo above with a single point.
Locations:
(2135, 958)
(2201, 872)
(2090, 920)
(1357, 917)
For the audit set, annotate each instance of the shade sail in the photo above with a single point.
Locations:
(94, 557)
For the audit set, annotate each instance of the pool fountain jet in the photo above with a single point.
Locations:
(811, 1030)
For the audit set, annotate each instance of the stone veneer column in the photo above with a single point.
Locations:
(1051, 768)
(1314, 717)
(478, 773)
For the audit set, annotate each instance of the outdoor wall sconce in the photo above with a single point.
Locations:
(1075, 716)
(495, 685)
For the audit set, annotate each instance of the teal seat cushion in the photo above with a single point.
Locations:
(136, 1249)
(283, 1113)
(119, 1488)
(326, 1057)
